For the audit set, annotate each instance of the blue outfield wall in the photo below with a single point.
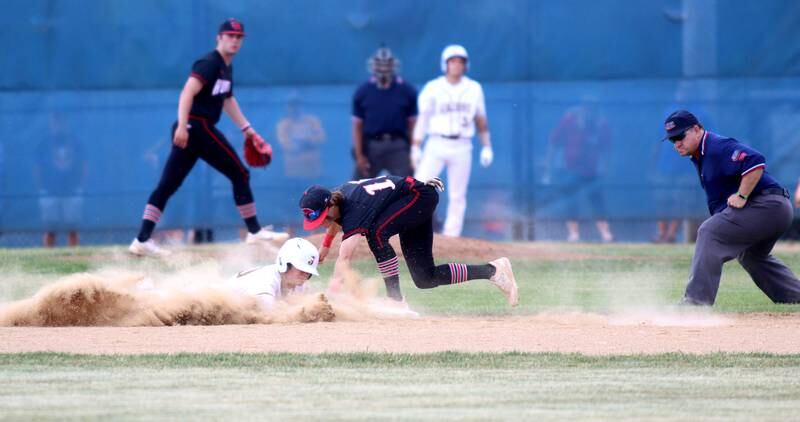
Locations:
(105, 75)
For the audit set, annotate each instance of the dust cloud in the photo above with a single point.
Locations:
(187, 298)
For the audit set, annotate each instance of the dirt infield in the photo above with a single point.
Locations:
(582, 333)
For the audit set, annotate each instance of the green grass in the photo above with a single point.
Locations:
(442, 386)
(611, 278)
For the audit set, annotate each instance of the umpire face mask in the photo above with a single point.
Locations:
(384, 73)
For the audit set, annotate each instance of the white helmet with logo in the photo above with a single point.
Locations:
(451, 51)
(299, 252)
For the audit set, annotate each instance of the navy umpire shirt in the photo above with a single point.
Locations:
(721, 163)
(385, 110)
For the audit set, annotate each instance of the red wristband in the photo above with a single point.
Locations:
(326, 243)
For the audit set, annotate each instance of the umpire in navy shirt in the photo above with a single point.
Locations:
(384, 114)
(749, 212)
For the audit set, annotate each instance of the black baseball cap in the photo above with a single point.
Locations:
(678, 122)
(231, 26)
(314, 204)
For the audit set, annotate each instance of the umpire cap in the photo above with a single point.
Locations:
(678, 122)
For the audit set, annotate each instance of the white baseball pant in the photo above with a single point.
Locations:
(456, 154)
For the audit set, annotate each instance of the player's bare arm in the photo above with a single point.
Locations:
(746, 186)
(190, 89)
(358, 146)
(342, 267)
(231, 107)
(331, 233)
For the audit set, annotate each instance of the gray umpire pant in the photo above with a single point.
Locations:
(747, 234)
(392, 155)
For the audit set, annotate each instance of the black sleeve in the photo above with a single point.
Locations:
(205, 71)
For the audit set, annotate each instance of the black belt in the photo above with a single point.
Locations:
(775, 191)
(385, 137)
(439, 135)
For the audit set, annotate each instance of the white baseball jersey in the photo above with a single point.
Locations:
(449, 110)
(447, 116)
(262, 282)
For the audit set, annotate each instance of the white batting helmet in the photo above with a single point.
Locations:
(301, 253)
(453, 50)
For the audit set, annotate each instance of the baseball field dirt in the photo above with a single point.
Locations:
(592, 334)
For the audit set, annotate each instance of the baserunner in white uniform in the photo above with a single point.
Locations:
(450, 108)
(296, 262)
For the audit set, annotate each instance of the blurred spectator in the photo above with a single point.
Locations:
(60, 172)
(496, 215)
(797, 195)
(384, 113)
(583, 137)
(301, 136)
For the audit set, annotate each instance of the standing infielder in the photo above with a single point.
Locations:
(450, 107)
(208, 91)
(385, 206)
(749, 212)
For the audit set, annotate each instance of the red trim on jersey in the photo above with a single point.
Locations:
(227, 150)
(400, 211)
(198, 77)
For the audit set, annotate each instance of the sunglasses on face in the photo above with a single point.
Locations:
(677, 138)
(310, 214)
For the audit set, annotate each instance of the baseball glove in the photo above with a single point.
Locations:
(257, 152)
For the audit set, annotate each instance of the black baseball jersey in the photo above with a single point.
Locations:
(365, 199)
(217, 79)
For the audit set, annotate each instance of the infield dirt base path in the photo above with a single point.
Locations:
(591, 334)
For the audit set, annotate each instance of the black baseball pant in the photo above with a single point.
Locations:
(411, 217)
(209, 144)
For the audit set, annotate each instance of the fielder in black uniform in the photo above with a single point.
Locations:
(382, 207)
(208, 91)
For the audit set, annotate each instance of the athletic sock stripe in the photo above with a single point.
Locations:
(389, 268)
(247, 210)
(388, 263)
(390, 273)
(151, 213)
(458, 273)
